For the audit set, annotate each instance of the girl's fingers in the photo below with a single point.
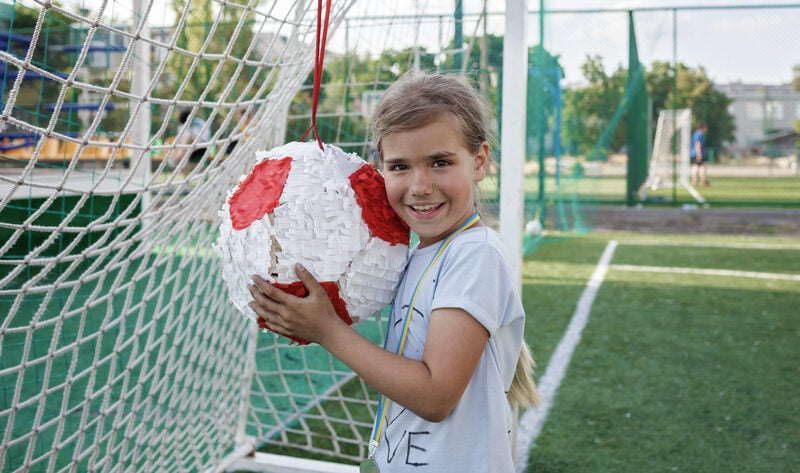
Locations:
(262, 298)
(260, 311)
(266, 288)
(267, 310)
(286, 313)
(273, 292)
(263, 305)
(308, 280)
(282, 297)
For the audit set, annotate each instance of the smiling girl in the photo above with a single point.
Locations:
(455, 332)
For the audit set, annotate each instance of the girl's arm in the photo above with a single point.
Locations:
(430, 387)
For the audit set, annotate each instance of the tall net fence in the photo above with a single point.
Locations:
(751, 105)
(119, 349)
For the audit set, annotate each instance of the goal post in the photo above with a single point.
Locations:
(670, 161)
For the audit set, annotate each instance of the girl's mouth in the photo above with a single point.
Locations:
(426, 208)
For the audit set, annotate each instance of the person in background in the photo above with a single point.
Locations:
(698, 155)
(194, 131)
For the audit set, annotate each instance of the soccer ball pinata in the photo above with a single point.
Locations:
(324, 209)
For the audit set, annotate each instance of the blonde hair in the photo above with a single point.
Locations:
(523, 391)
(416, 100)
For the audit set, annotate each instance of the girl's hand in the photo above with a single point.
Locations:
(430, 387)
(310, 318)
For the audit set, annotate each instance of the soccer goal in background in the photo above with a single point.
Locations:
(670, 162)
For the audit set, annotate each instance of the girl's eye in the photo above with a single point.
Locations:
(440, 163)
(397, 167)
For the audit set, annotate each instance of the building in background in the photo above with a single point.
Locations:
(765, 117)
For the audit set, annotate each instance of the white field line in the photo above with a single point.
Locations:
(742, 245)
(707, 272)
(699, 198)
(532, 420)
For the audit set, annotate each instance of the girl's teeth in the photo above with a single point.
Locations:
(424, 208)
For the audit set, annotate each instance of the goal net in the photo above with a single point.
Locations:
(670, 161)
(119, 349)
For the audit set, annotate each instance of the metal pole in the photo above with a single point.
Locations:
(484, 75)
(458, 39)
(512, 146)
(674, 106)
(542, 119)
(140, 81)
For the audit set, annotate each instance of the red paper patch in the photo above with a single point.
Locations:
(259, 193)
(379, 216)
(299, 289)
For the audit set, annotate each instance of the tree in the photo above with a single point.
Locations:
(48, 53)
(350, 79)
(796, 78)
(796, 82)
(197, 36)
(347, 80)
(543, 97)
(588, 109)
(494, 63)
(544, 74)
(692, 89)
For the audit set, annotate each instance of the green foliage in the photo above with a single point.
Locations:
(348, 80)
(692, 89)
(494, 64)
(588, 109)
(345, 80)
(56, 29)
(796, 78)
(543, 97)
(207, 78)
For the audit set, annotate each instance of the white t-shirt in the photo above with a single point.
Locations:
(472, 275)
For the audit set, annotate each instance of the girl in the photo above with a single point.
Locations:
(456, 325)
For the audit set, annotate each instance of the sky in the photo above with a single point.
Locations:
(733, 45)
(744, 45)
(747, 45)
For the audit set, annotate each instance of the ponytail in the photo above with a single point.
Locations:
(523, 392)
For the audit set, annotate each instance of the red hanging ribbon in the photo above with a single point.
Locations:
(319, 58)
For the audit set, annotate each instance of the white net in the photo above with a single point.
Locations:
(305, 403)
(119, 348)
(670, 155)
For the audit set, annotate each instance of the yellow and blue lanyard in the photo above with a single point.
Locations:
(383, 401)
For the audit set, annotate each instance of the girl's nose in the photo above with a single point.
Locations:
(421, 184)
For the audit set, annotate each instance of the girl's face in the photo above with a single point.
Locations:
(430, 177)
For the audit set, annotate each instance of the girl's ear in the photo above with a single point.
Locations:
(481, 162)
